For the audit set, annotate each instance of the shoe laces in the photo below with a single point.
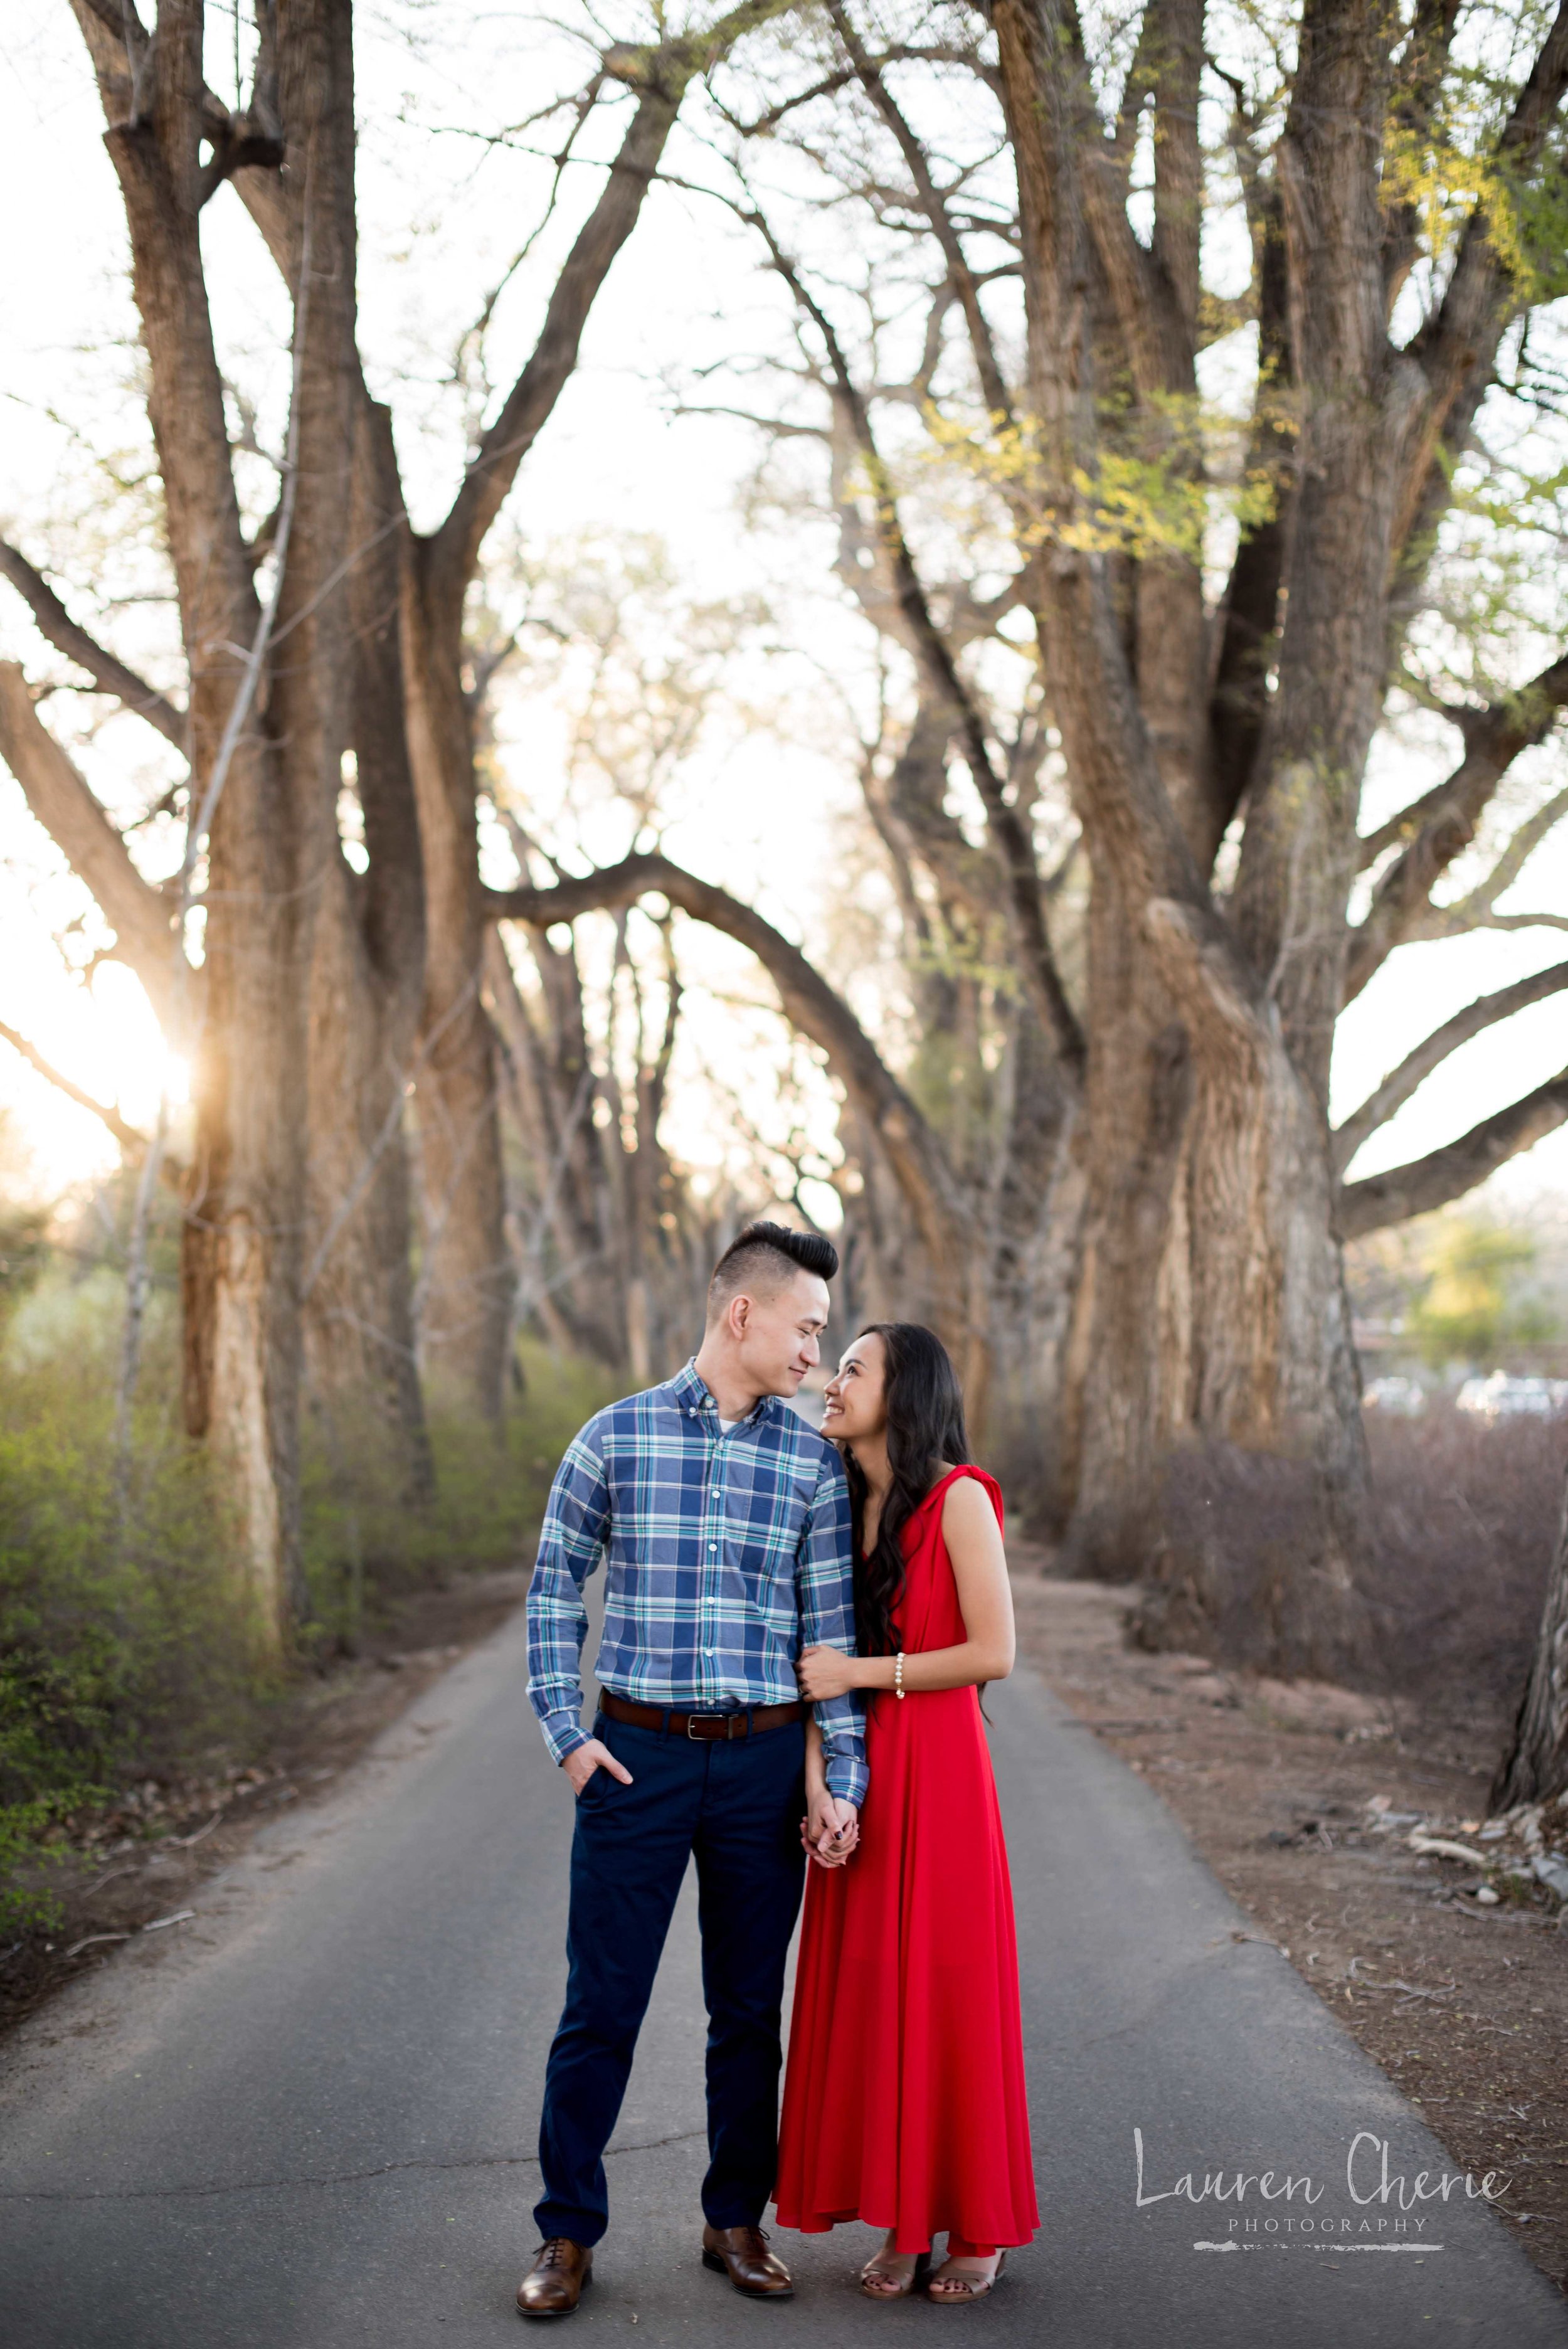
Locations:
(551, 2252)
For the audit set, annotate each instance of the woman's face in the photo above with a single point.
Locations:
(856, 1405)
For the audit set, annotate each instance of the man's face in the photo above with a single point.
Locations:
(779, 1332)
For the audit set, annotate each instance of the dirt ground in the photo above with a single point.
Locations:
(144, 1858)
(1452, 1973)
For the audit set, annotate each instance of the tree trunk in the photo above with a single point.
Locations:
(367, 987)
(270, 826)
(467, 1277)
(1535, 1766)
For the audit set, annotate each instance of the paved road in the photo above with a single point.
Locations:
(310, 2124)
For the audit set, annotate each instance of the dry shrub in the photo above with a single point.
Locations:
(1240, 1571)
(1465, 1515)
(1452, 1562)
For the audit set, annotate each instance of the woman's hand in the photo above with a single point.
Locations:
(830, 1828)
(825, 1673)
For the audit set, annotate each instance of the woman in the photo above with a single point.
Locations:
(904, 2101)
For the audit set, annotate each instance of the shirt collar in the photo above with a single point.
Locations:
(692, 1393)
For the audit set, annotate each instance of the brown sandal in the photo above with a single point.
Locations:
(903, 2285)
(972, 2287)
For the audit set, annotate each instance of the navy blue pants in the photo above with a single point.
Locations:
(738, 1807)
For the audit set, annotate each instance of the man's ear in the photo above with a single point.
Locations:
(739, 1315)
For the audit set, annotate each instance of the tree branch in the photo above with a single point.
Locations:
(810, 1004)
(1456, 348)
(1441, 825)
(109, 674)
(59, 797)
(1239, 703)
(1009, 835)
(961, 277)
(1422, 67)
(660, 76)
(1447, 1174)
(134, 1144)
(1415, 1067)
(1155, 288)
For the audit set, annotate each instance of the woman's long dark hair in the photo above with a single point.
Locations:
(924, 1429)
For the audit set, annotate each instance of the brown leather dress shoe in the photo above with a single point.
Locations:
(554, 2283)
(742, 2254)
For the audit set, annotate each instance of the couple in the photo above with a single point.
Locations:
(790, 1622)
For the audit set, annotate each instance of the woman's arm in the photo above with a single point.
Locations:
(830, 1830)
(974, 1541)
(815, 1769)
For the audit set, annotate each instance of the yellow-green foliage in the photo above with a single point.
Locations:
(1160, 498)
(1472, 1308)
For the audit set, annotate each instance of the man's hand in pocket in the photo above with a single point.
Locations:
(584, 1760)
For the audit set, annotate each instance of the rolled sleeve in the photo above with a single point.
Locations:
(571, 1544)
(825, 1586)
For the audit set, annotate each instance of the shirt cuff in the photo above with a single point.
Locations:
(847, 1776)
(563, 1732)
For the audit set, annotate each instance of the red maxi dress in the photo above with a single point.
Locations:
(904, 2100)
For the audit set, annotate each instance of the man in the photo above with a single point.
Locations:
(725, 1523)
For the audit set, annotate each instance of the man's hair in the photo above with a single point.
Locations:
(763, 1257)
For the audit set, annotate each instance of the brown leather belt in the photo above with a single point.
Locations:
(705, 1728)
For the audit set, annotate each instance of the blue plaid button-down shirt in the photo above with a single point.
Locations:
(727, 1554)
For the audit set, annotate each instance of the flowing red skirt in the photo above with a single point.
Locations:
(904, 2101)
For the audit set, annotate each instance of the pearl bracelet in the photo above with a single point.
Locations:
(898, 1674)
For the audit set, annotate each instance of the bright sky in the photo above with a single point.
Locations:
(443, 215)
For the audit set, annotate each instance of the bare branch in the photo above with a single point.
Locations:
(131, 1141)
(1447, 1174)
(1014, 848)
(1239, 702)
(59, 797)
(961, 277)
(1415, 1069)
(1155, 289)
(1439, 826)
(660, 76)
(809, 1002)
(107, 672)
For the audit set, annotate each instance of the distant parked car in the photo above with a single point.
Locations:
(1501, 1397)
(1401, 1397)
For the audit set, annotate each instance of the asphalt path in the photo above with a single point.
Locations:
(309, 2123)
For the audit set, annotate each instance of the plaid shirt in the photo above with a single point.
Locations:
(728, 1555)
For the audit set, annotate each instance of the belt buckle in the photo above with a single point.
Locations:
(692, 1732)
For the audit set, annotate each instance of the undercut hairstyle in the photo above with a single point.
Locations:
(763, 1257)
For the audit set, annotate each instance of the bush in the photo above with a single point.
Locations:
(365, 1541)
(1461, 1523)
(117, 1655)
(120, 1655)
(1465, 1515)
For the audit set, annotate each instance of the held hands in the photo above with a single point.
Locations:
(830, 1828)
(825, 1673)
(584, 1760)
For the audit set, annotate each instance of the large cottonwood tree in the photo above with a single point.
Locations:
(324, 657)
(1164, 1130)
(1401, 173)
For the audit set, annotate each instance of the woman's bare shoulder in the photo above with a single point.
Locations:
(967, 1503)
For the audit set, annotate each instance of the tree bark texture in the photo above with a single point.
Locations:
(270, 828)
(1535, 1766)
